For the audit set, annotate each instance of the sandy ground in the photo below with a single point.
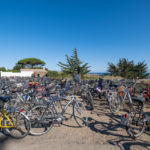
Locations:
(104, 132)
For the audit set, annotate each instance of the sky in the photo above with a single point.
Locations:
(102, 31)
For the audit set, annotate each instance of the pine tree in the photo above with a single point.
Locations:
(128, 69)
(30, 63)
(74, 65)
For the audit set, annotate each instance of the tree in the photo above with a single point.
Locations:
(2, 69)
(17, 67)
(30, 63)
(128, 69)
(74, 65)
(141, 70)
(53, 74)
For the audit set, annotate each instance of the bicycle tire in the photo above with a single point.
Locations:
(17, 118)
(114, 104)
(135, 128)
(37, 113)
(80, 114)
(90, 100)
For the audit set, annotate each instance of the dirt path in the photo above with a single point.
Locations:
(103, 132)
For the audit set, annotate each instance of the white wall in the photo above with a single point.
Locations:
(17, 74)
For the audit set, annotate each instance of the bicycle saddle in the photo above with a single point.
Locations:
(5, 99)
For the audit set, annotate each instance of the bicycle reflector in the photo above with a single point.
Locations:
(22, 109)
(125, 116)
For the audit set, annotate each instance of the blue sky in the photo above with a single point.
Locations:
(102, 31)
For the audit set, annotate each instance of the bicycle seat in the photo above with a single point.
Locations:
(5, 99)
(140, 99)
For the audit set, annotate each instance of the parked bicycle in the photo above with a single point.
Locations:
(13, 121)
(43, 117)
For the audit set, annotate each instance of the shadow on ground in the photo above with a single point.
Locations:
(112, 129)
(3, 142)
(105, 128)
(129, 144)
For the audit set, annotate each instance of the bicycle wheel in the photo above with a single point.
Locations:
(80, 114)
(21, 123)
(114, 103)
(90, 100)
(136, 125)
(40, 120)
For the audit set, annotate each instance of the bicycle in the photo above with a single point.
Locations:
(119, 96)
(136, 121)
(13, 121)
(86, 94)
(45, 116)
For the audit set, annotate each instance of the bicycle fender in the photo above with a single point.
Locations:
(25, 115)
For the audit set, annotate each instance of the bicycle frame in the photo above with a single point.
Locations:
(67, 105)
(127, 95)
(4, 114)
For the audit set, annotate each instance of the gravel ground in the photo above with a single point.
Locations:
(103, 132)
